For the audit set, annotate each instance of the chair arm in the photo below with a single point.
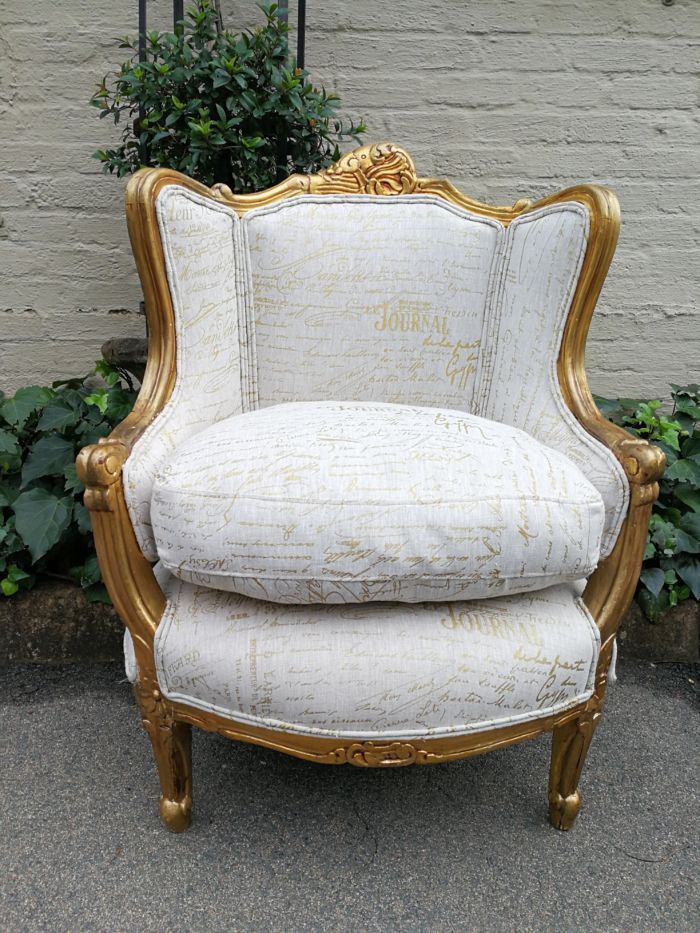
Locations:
(127, 574)
(643, 463)
(611, 588)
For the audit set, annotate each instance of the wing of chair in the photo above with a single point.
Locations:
(365, 510)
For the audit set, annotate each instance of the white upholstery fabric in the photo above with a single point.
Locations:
(342, 502)
(207, 275)
(131, 668)
(370, 298)
(381, 670)
(165, 582)
(414, 300)
(520, 385)
(406, 299)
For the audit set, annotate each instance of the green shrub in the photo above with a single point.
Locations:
(44, 526)
(671, 569)
(219, 106)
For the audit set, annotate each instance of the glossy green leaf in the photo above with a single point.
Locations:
(8, 587)
(688, 569)
(25, 402)
(653, 579)
(90, 572)
(687, 471)
(688, 496)
(72, 483)
(97, 593)
(49, 456)
(99, 399)
(10, 452)
(58, 414)
(690, 523)
(41, 518)
(82, 518)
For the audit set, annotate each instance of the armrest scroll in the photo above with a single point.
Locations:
(642, 462)
(99, 468)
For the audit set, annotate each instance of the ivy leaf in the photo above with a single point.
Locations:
(72, 483)
(91, 435)
(97, 593)
(688, 569)
(90, 572)
(49, 456)
(691, 390)
(690, 523)
(686, 543)
(24, 402)
(690, 447)
(653, 578)
(652, 606)
(10, 452)
(99, 399)
(119, 404)
(82, 518)
(41, 518)
(669, 514)
(57, 415)
(688, 407)
(688, 496)
(16, 573)
(8, 493)
(687, 471)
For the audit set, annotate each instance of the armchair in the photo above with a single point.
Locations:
(365, 510)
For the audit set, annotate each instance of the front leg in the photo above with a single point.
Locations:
(172, 749)
(570, 744)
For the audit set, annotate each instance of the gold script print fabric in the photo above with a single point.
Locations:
(344, 502)
(406, 300)
(207, 274)
(370, 299)
(377, 671)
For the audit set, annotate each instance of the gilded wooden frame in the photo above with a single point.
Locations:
(383, 169)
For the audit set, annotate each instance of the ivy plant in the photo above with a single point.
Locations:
(671, 568)
(220, 106)
(44, 526)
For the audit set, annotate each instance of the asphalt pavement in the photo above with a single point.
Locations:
(281, 844)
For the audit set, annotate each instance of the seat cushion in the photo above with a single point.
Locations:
(356, 502)
(377, 671)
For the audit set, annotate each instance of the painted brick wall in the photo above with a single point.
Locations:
(512, 98)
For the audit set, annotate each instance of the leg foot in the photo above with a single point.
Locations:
(564, 810)
(176, 814)
(172, 749)
(570, 744)
(174, 762)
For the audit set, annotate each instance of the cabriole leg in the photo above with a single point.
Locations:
(172, 748)
(570, 744)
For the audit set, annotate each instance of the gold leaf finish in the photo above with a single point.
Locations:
(376, 169)
(387, 170)
(372, 755)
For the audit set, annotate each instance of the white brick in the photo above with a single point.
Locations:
(508, 99)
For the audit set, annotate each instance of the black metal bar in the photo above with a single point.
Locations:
(178, 13)
(301, 33)
(143, 151)
(142, 30)
(283, 10)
